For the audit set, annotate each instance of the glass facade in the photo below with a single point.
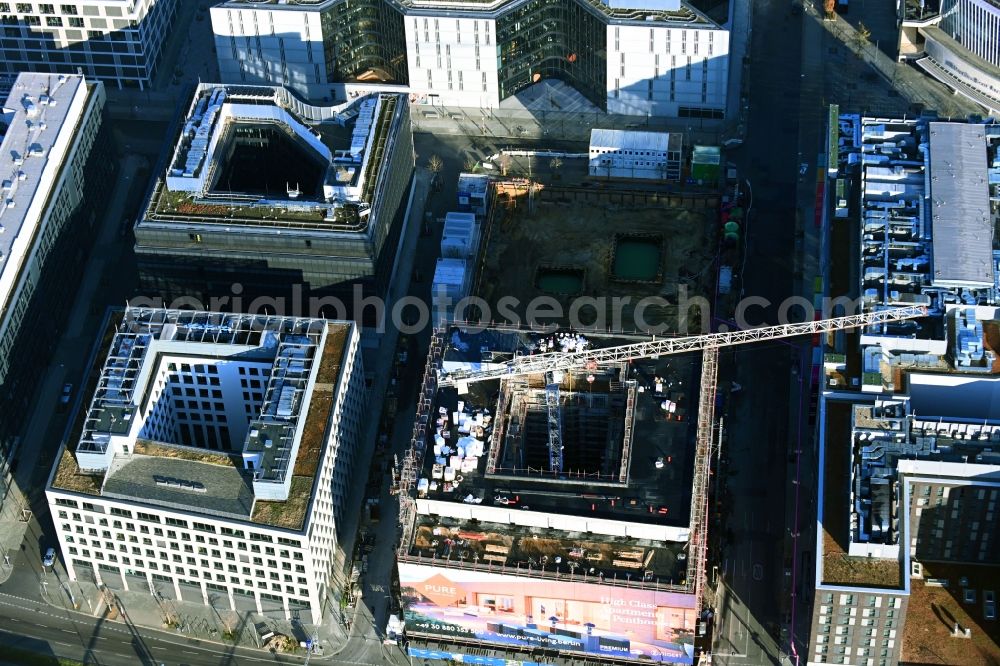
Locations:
(364, 41)
(553, 39)
(975, 24)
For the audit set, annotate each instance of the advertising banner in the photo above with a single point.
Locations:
(528, 612)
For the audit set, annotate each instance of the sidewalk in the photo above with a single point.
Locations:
(913, 85)
(217, 624)
(347, 530)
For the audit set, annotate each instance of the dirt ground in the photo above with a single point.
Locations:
(577, 228)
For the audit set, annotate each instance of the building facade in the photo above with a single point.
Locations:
(56, 164)
(975, 24)
(214, 460)
(958, 45)
(306, 48)
(118, 41)
(325, 221)
(646, 57)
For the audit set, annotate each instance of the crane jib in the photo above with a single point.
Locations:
(549, 361)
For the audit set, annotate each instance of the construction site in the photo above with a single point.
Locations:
(576, 242)
(554, 495)
(581, 477)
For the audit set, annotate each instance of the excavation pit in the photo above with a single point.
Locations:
(563, 281)
(637, 258)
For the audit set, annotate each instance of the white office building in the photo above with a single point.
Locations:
(116, 41)
(55, 166)
(214, 462)
(642, 57)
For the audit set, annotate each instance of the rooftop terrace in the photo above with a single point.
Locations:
(269, 478)
(600, 557)
(248, 156)
(933, 611)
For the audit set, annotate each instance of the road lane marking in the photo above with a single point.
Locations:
(67, 631)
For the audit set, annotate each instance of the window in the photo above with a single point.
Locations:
(23, 8)
(68, 9)
(46, 8)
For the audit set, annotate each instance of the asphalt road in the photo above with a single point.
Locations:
(784, 109)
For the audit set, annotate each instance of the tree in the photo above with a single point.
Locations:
(435, 164)
(829, 6)
(555, 164)
(862, 35)
(504, 163)
(471, 163)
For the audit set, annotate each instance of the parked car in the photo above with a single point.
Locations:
(50, 558)
(65, 396)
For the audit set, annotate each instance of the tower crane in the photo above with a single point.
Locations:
(551, 364)
(556, 361)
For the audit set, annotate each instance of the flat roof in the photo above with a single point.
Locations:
(837, 567)
(211, 481)
(182, 484)
(634, 140)
(636, 11)
(349, 144)
(41, 114)
(450, 271)
(869, 447)
(933, 611)
(960, 205)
